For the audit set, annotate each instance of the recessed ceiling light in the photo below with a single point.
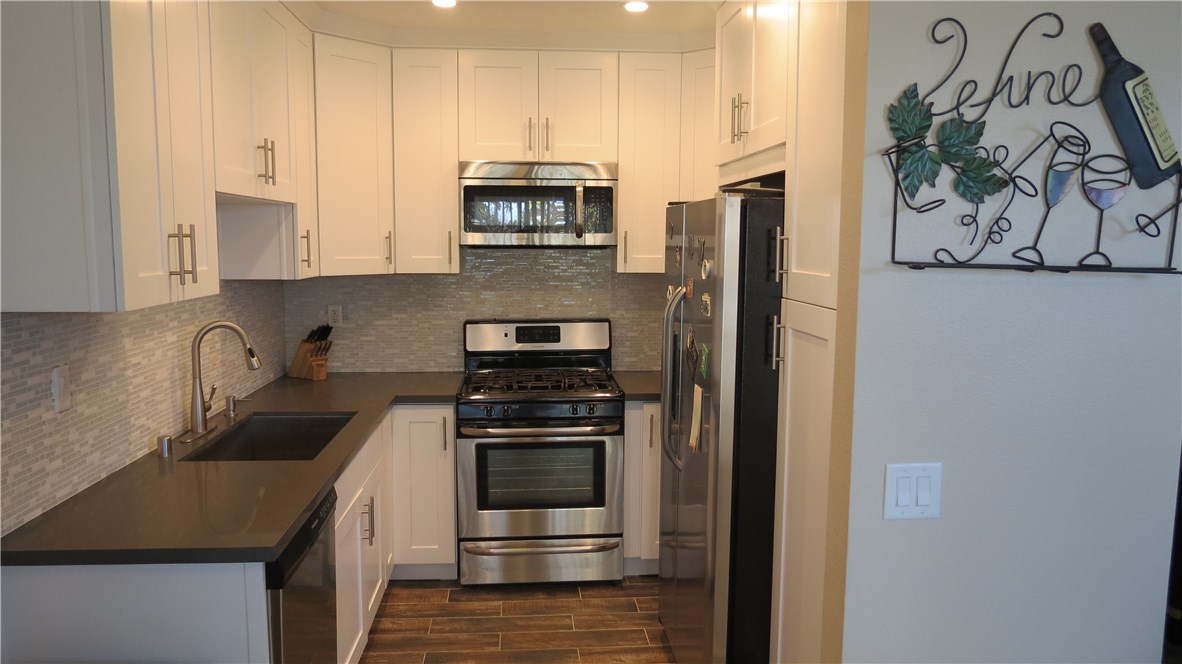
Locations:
(444, 3)
(636, 6)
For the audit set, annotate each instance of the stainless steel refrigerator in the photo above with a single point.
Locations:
(718, 425)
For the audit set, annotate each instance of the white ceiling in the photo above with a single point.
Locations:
(554, 16)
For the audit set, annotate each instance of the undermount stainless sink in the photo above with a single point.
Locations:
(273, 437)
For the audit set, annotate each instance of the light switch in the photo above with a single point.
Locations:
(912, 490)
(923, 491)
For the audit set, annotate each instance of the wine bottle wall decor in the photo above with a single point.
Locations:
(1045, 205)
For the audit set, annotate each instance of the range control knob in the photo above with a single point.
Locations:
(505, 410)
(488, 411)
(574, 409)
(590, 409)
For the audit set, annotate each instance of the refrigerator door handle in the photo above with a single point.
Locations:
(667, 374)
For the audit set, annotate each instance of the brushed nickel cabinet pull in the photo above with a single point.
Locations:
(307, 238)
(781, 243)
(192, 252)
(449, 247)
(777, 355)
(390, 247)
(266, 174)
(625, 247)
(734, 112)
(274, 170)
(740, 132)
(529, 135)
(444, 433)
(180, 253)
(547, 148)
(650, 431)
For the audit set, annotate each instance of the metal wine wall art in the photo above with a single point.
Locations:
(1006, 203)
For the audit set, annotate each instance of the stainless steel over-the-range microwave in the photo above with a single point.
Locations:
(537, 203)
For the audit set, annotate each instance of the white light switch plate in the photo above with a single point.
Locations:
(912, 490)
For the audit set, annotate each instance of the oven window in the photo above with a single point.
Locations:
(541, 209)
(522, 476)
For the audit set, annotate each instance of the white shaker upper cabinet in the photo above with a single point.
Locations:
(812, 211)
(426, 201)
(578, 96)
(650, 132)
(699, 175)
(752, 43)
(498, 111)
(531, 106)
(255, 53)
(354, 157)
(107, 174)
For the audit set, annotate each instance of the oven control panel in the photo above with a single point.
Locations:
(540, 410)
(538, 334)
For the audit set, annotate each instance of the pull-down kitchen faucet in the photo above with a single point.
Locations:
(201, 405)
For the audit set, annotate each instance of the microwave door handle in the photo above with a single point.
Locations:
(579, 210)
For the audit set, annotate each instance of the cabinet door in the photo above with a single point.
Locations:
(373, 564)
(498, 114)
(806, 406)
(354, 157)
(733, 47)
(239, 159)
(304, 116)
(185, 116)
(426, 201)
(650, 132)
(424, 485)
(812, 212)
(143, 154)
(764, 117)
(650, 494)
(699, 175)
(272, 42)
(577, 105)
(351, 631)
(642, 480)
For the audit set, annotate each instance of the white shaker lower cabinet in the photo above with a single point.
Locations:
(354, 156)
(802, 477)
(424, 491)
(650, 130)
(361, 522)
(642, 487)
(108, 156)
(135, 613)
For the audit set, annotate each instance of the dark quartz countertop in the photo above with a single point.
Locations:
(157, 510)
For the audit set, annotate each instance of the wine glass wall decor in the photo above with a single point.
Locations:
(995, 198)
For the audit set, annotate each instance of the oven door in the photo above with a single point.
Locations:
(539, 481)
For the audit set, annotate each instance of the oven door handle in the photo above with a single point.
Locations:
(499, 432)
(477, 550)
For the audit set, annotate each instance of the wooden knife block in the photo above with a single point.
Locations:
(307, 364)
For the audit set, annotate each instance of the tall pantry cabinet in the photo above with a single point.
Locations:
(108, 158)
(824, 151)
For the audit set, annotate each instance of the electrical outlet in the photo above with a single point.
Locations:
(59, 388)
(336, 315)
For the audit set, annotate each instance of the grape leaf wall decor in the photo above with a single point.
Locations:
(1001, 203)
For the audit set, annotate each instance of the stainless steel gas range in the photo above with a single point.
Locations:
(540, 453)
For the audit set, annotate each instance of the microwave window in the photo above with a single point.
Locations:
(516, 209)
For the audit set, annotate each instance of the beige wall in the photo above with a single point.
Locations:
(1053, 400)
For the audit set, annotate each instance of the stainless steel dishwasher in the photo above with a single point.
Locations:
(302, 591)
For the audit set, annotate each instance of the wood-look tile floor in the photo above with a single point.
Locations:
(437, 622)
